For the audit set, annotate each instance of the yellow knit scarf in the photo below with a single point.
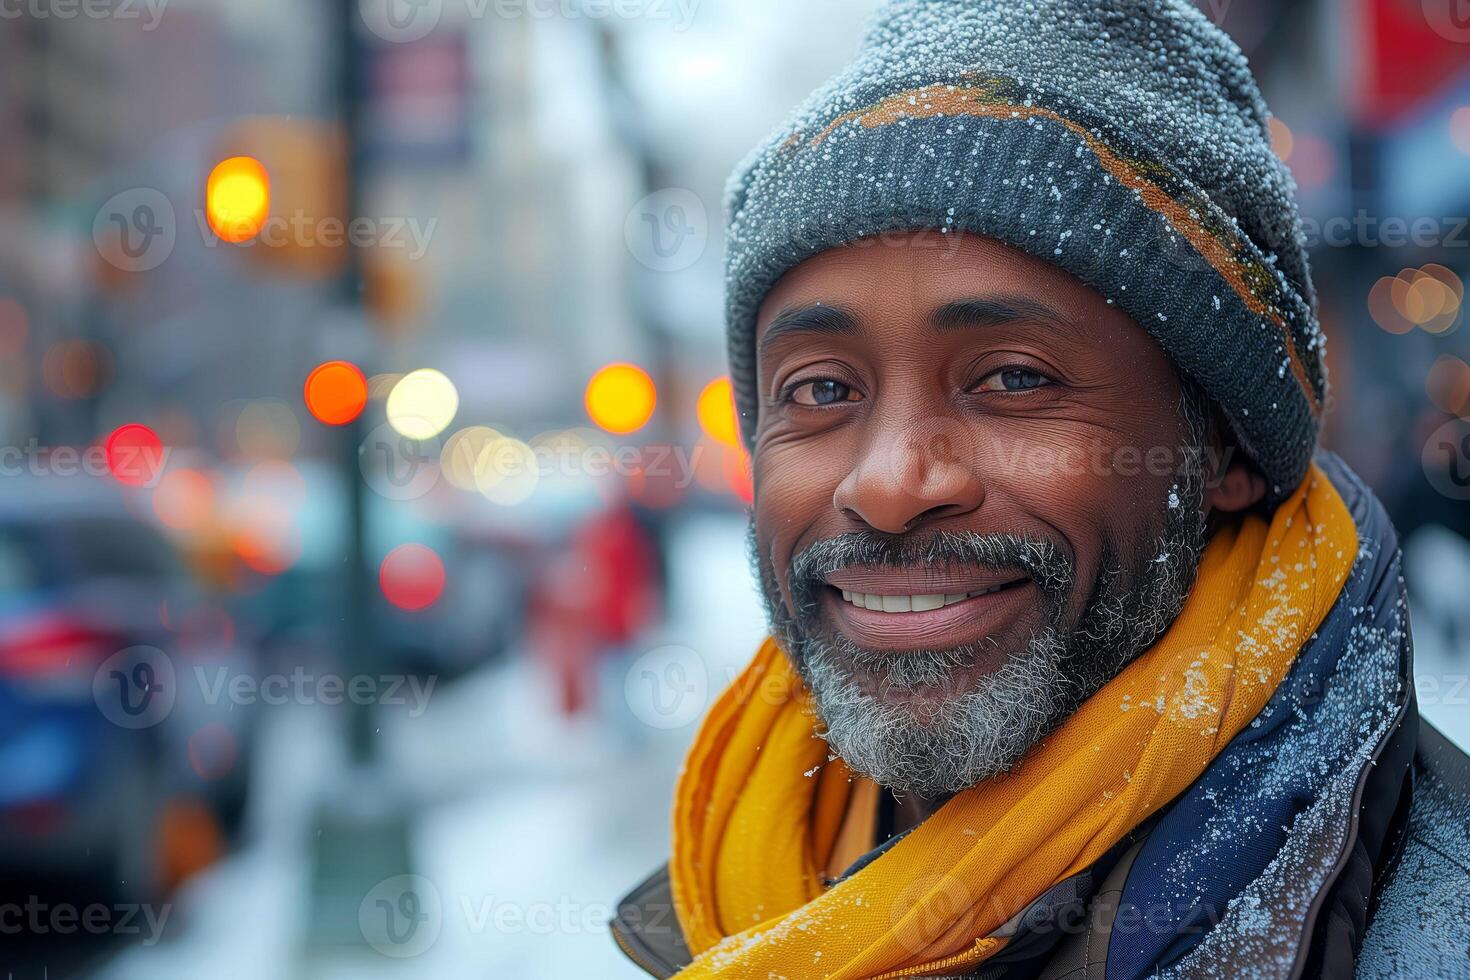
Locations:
(759, 809)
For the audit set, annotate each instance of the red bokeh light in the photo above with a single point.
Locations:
(412, 577)
(134, 454)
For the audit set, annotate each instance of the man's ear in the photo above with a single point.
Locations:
(1232, 482)
(1239, 488)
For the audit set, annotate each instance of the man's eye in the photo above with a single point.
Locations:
(1012, 379)
(823, 392)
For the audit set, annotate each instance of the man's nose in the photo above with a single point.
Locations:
(910, 473)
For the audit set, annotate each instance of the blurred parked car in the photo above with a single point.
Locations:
(93, 599)
(297, 610)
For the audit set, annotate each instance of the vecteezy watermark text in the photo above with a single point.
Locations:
(1364, 230)
(137, 230)
(140, 464)
(36, 917)
(313, 231)
(302, 687)
(139, 686)
(152, 10)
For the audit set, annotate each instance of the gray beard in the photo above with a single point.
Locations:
(899, 719)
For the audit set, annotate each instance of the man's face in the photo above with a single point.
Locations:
(978, 496)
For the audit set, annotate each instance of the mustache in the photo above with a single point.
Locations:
(1041, 560)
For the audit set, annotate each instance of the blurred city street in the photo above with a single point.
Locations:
(528, 831)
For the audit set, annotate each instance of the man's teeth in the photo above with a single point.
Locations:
(911, 603)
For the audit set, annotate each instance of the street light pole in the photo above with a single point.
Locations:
(361, 831)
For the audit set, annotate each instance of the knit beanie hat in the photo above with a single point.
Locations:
(1121, 140)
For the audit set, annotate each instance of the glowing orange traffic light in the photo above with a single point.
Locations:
(238, 199)
(620, 398)
(336, 392)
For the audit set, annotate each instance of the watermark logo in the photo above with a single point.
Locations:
(396, 466)
(1446, 459)
(930, 906)
(135, 230)
(933, 453)
(401, 916)
(936, 458)
(1450, 19)
(667, 687)
(404, 916)
(401, 21)
(668, 230)
(135, 688)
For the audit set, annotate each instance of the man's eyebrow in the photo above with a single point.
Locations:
(815, 318)
(994, 311)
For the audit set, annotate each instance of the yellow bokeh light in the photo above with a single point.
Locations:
(620, 398)
(1424, 299)
(463, 456)
(1446, 276)
(507, 472)
(716, 411)
(422, 404)
(1442, 293)
(562, 454)
(238, 199)
(1384, 310)
(1428, 298)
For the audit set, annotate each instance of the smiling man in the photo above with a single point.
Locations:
(1083, 663)
(966, 564)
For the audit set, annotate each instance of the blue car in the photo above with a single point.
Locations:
(97, 617)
